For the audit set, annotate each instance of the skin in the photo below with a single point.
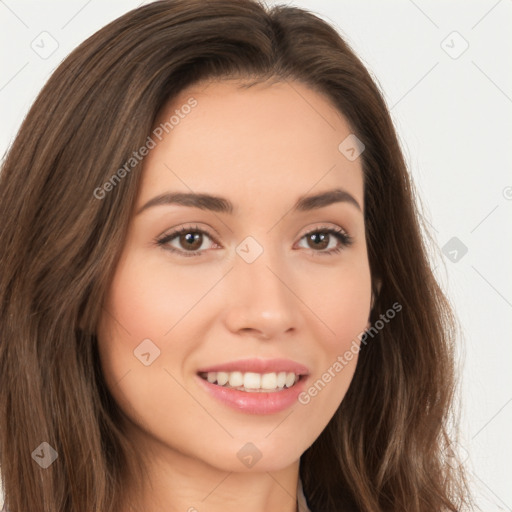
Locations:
(261, 148)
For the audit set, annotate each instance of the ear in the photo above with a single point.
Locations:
(378, 285)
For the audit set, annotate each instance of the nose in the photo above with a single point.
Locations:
(261, 301)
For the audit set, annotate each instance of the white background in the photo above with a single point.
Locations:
(454, 119)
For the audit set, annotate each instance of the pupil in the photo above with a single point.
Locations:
(319, 239)
(192, 239)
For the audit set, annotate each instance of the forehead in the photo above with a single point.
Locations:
(272, 138)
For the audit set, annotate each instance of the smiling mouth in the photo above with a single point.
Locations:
(253, 382)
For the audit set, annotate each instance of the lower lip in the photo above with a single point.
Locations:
(255, 402)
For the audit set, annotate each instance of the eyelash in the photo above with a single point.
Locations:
(344, 239)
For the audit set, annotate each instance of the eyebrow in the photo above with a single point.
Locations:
(223, 205)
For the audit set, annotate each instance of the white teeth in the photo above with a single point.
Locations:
(269, 381)
(236, 379)
(251, 381)
(290, 380)
(222, 378)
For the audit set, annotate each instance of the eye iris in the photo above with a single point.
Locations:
(190, 239)
(323, 238)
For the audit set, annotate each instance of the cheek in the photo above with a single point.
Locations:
(149, 297)
(348, 315)
(139, 360)
(151, 309)
(341, 302)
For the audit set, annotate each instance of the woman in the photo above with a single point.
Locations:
(215, 293)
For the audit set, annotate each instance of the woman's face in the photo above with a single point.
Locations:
(263, 281)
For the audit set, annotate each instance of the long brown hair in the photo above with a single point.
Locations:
(385, 447)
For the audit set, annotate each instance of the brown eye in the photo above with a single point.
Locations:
(185, 241)
(320, 239)
(191, 241)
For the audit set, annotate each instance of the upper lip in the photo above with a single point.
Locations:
(258, 366)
